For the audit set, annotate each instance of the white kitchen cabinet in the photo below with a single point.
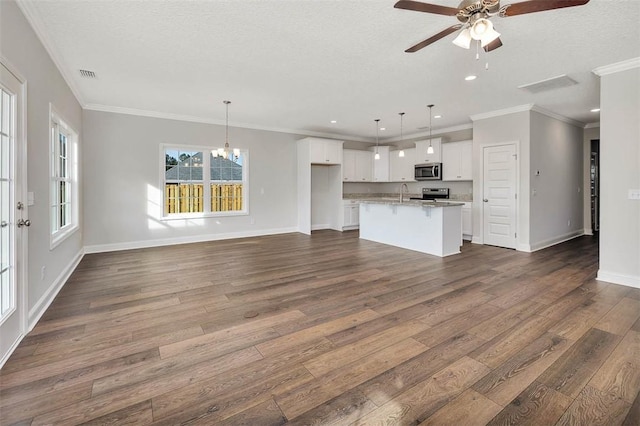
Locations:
(351, 214)
(319, 184)
(364, 166)
(325, 151)
(402, 169)
(423, 157)
(457, 160)
(349, 165)
(381, 166)
(357, 166)
(467, 221)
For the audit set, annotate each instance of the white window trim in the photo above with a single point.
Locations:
(207, 191)
(58, 236)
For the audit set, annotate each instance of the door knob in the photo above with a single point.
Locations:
(486, 200)
(23, 222)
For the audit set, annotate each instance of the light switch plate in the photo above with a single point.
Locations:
(30, 199)
(634, 194)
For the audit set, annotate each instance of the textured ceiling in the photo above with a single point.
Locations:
(295, 65)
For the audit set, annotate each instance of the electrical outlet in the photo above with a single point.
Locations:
(42, 272)
(634, 194)
(569, 223)
(253, 221)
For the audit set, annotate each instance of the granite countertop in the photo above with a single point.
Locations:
(416, 203)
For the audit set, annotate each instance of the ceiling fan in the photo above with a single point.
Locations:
(474, 17)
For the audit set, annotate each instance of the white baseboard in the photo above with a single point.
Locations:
(43, 304)
(320, 226)
(615, 278)
(476, 240)
(588, 231)
(556, 240)
(101, 248)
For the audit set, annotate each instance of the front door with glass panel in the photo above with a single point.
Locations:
(13, 218)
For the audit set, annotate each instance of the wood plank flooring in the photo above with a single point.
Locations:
(347, 332)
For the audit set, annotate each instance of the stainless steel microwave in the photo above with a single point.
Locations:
(430, 171)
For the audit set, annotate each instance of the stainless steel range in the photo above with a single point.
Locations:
(433, 194)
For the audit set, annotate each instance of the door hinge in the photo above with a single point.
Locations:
(515, 196)
(515, 234)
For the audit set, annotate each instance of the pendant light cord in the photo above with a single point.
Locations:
(226, 127)
(377, 120)
(430, 106)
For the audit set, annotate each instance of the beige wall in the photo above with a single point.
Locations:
(21, 48)
(620, 167)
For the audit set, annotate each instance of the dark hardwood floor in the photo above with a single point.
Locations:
(346, 332)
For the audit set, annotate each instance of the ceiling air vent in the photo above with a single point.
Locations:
(549, 84)
(88, 74)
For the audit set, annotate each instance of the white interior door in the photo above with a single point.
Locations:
(13, 219)
(499, 200)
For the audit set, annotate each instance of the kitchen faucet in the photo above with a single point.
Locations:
(402, 188)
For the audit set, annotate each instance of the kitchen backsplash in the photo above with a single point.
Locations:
(462, 191)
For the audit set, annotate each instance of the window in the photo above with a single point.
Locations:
(202, 182)
(63, 198)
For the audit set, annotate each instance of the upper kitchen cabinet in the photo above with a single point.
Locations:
(381, 166)
(325, 151)
(457, 160)
(357, 166)
(403, 168)
(423, 157)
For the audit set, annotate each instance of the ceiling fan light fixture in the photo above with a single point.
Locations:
(464, 39)
(479, 28)
(489, 36)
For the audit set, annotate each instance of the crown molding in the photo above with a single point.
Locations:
(527, 107)
(501, 112)
(436, 133)
(203, 120)
(559, 117)
(592, 125)
(617, 67)
(30, 12)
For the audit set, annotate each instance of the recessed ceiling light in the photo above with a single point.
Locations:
(383, 128)
(437, 116)
(334, 121)
(595, 110)
(470, 77)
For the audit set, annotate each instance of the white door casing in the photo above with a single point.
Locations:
(14, 216)
(499, 184)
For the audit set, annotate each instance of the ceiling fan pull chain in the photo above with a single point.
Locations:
(486, 56)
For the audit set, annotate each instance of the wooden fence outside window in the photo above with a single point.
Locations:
(189, 197)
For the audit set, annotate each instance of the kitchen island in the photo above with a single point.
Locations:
(432, 227)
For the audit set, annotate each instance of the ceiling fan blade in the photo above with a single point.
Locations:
(532, 6)
(426, 7)
(434, 38)
(493, 45)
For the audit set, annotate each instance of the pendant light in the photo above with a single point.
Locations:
(377, 155)
(401, 152)
(227, 151)
(430, 149)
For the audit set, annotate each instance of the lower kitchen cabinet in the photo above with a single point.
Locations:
(351, 215)
(467, 221)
